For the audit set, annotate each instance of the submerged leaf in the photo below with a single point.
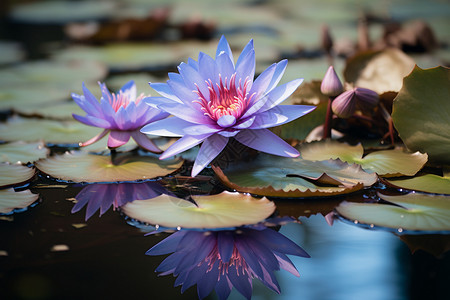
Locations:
(421, 112)
(429, 183)
(394, 162)
(10, 200)
(14, 174)
(412, 211)
(52, 132)
(294, 177)
(80, 166)
(213, 211)
(22, 152)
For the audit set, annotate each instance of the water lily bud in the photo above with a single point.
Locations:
(344, 105)
(331, 85)
(367, 99)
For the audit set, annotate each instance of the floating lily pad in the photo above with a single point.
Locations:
(421, 112)
(380, 71)
(14, 174)
(61, 12)
(394, 162)
(21, 97)
(11, 200)
(429, 183)
(55, 110)
(413, 211)
(79, 166)
(269, 175)
(52, 132)
(22, 152)
(138, 56)
(12, 52)
(65, 75)
(213, 211)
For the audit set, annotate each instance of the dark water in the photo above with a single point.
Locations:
(105, 259)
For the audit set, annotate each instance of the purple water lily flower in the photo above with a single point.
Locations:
(121, 114)
(103, 196)
(213, 100)
(220, 260)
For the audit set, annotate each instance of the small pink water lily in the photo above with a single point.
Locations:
(214, 100)
(121, 114)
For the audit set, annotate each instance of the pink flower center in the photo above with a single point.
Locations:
(236, 259)
(122, 100)
(225, 98)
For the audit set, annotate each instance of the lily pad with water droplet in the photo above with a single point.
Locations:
(49, 131)
(421, 112)
(22, 152)
(412, 211)
(269, 175)
(14, 174)
(429, 183)
(213, 211)
(79, 166)
(394, 162)
(11, 200)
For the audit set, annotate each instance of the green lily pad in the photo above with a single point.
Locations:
(79, 166)
(20, 97)
(61, 12)
(429, 183)
(412, 211)
(49, 74)
(10, 200)
(49, 131)
(20, 152)
(12, 52)
(213, 211)
(380, 71)
(11, 174)
(131, 56)
(269, 175)
(394, 162)
(421, 112)
(55, 111)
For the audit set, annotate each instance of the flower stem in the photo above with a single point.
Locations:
(113, 157)
(328, 120)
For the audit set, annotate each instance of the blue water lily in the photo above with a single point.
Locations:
(212, 100)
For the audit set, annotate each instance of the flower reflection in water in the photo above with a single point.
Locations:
(222, 259)
(102, 196)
